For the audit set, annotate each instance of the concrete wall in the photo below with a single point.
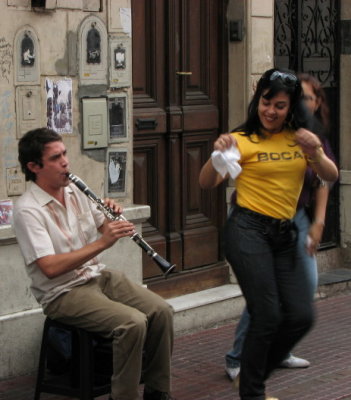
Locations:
(58, 35)
(249, 58)
(252, 56)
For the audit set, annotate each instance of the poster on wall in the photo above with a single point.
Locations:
(118, 119)
(116, 172)
(120, 67)
(59, 105)
(6, 208)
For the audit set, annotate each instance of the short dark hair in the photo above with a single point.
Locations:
(31, 147)
(274, 81)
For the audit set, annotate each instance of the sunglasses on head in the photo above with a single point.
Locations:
(287, 78)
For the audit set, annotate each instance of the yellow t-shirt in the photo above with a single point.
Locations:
(272, 173)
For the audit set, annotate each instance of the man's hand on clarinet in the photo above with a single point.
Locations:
(114, 230)
(115, 207)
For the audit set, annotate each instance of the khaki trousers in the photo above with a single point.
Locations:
(137, 320)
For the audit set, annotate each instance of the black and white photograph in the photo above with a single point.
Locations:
(59, 105)
(93, 46)
(117, 113)
(120, 61)
(27, 51)
(116, 172)
(120, 57)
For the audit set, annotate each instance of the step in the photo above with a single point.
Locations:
(334, 281)
(215, 306)
(206, 308)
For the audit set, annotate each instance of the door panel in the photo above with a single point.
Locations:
(176, 81)
(200, 234)
(149, 122)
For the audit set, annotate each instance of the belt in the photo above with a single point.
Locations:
(280, 224)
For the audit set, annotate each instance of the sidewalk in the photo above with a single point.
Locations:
(198, 363)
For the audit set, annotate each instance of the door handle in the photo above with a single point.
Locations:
(184, 73)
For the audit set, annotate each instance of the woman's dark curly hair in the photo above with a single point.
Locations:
(31, 147)
(271, 83)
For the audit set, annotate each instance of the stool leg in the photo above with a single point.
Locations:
(75, 362)
(42, 360)
(86, 366)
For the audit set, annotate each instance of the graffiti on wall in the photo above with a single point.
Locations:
(5, 59)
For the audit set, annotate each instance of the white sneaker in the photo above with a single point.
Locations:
(295, 362)
(232, 372)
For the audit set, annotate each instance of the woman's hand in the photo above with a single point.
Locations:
(316, 158)
(308, 141)
(314, 237)
(224, 142)
(209, 177)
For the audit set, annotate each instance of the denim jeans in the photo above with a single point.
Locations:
(263, 257)
(302, 222)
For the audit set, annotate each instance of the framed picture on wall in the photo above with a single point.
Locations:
(118, 118)
(120, 56)
(6, 209)
(116, 172)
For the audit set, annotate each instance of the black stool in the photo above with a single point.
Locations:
(85, 378)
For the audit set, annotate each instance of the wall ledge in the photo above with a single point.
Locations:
(7, 235)
(135, 213)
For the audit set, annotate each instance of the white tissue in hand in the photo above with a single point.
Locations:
(227, 162)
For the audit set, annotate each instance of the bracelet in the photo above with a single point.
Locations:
(318, 156)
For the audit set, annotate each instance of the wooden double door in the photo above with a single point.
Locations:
(179, 108)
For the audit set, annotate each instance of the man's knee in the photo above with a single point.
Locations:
(134, 329)
(164, 312)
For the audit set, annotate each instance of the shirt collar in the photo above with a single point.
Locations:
(43, 197)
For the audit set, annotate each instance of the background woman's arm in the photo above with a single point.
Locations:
(318, 160)
(317, 225)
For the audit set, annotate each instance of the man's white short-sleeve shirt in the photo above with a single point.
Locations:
(45, 227)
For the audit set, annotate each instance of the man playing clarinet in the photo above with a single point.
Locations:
(57, 228)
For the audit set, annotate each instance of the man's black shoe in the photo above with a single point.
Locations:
(156, 395)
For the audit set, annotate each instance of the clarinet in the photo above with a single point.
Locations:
(165, 266)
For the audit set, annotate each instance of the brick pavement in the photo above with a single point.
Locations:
(198, 363)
